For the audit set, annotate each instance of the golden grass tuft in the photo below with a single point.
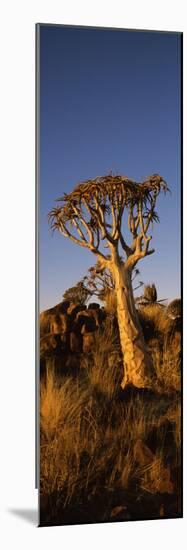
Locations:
(88, 434)
(154, 316)
(106, 369)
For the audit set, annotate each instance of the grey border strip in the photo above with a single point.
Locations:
(88, 27)
(37, 294)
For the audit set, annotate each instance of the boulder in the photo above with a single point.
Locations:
(90, 314)
(95, 314)
(73, 309)
(88, 324)
(64, 337)
(44, 323)
(64, 322)
(94, 305)
(48, 343)
(47, 315)
(55, 324)
(59, 323)
(88, 341)
(75, 342)
(63, 306)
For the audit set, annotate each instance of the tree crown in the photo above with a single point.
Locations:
(92, 214)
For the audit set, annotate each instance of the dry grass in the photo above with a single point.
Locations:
(153, 320)
(88, 435)
(87, 444)
(106, 369)
(164, 342)
(110, 302)
(168, 369)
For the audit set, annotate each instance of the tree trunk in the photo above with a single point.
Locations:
(138, 366)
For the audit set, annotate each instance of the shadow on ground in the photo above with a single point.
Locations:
(26, 514)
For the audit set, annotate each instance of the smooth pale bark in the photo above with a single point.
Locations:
(138, 366)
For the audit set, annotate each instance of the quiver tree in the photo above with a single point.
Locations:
(102, 213)
(99, 281)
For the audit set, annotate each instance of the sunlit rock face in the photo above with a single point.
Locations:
(68, 329)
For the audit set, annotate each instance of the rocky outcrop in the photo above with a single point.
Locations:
(68, 329)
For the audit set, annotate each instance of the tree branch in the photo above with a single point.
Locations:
(141, 219)
(67, 233)
(84, 223)
(124, 245)
(139, 252)
(79, 230)
(102, 222)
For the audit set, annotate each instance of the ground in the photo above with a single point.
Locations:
(107, 454)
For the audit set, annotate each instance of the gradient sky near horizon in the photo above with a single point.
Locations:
(109, 100)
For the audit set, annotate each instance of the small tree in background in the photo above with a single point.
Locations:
(100, 283)
(93, 216)
(149, 297)
(78, 294)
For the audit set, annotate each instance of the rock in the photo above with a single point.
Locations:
(75, 342)
(88, 341)
(102, 314)
(97, 315)
(48, 343)
(88, 324)
(93, 314)
(64, 322)
(63, 306)
(55, 324)
(44, 324)
(47, 315)
(94, 305)
(73, 309)
(64, 337)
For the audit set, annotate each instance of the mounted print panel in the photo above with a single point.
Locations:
(109, 182)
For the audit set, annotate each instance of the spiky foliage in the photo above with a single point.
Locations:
(150, 293)
(149, 296)
(78, 294)
(92, 214)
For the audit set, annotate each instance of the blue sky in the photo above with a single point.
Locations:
(109, 100)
